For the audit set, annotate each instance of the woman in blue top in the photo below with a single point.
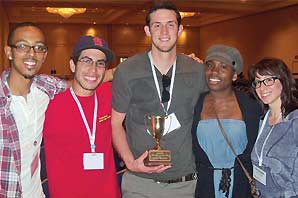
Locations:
(275, 154)
(219, 174)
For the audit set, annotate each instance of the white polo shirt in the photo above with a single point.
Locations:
(29, 114)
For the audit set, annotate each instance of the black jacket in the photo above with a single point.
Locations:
(251, 112)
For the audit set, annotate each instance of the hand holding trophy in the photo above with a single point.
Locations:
(157, 156)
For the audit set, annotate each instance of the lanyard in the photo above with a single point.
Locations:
(91, 135)
(157, 84)
(260, 157)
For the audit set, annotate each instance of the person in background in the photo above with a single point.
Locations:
(77, 129)
(24, 97)
(219, 173)
(159, 82)
(275, 154)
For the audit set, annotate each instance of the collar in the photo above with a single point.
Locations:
(4, 91)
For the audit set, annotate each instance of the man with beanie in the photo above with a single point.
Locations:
(77, 129)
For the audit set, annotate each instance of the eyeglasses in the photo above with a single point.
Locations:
(23, 48)
(165, 96)
(267, 82)
(87, 61)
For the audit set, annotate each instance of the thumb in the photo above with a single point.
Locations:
(144, 155)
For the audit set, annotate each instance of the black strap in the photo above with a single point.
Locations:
(233, 150)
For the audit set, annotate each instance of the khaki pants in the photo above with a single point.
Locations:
(138, 187)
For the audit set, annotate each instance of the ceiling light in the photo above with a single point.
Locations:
(187, 14)
(66, 12)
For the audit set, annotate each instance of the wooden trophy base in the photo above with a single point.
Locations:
(158, 157)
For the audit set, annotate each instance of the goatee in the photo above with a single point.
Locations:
(28, 76)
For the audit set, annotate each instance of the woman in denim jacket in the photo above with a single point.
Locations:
(275, 154)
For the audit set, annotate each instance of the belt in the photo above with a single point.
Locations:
(189, 177)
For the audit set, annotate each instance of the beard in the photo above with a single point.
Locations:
(23, 73)
(29, 77)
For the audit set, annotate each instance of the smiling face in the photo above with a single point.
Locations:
(219, 75)
(88, 74)
(26, 64)
(270, 95)
(163, 30)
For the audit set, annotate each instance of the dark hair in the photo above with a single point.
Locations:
(20, 25)
(75, 58)
(276, 67)
(163, 5)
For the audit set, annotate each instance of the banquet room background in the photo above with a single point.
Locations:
(257, 28)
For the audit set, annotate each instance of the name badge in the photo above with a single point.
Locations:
(93, 161)
(34, 164)
(171, 123)
(259, 175)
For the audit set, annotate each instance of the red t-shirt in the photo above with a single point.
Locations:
(66, 140)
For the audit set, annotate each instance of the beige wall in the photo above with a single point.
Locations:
(61, 38)
(272, 34)
(129, 40)
(189, 41)
(124, 40)
(3, 37)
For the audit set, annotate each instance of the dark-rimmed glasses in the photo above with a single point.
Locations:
(23, 48)
(165, 96)
(87, 61)
(267, 82)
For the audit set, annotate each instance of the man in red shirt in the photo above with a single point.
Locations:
(77, 129)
